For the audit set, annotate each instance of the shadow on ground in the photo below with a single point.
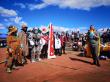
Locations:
(81, 54)
(76, 59)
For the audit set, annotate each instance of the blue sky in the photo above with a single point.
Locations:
(63, 14)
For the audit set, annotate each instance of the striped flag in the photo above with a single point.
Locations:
(51, 43)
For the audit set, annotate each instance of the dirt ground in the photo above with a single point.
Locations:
(69, 67)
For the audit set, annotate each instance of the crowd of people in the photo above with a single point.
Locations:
(96, 41)
(33, 43)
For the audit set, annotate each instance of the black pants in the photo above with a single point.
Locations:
(93, 49)
(58, 52)
(44, 51)
(63, 48)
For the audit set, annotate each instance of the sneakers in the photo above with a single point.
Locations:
(8, 70)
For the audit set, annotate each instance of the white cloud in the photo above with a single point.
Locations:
(72, 4)
(60, 28)
(38, 6)
(2, 26)
(20, 5)
(16, 19)
(69, 29)
(7, 12)
(102, 29)
(83, 29)
(6, 20)
(11, 17)
(55, 28)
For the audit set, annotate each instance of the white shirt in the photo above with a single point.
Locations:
(57, 43)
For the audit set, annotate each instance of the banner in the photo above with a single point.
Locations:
(51, 43)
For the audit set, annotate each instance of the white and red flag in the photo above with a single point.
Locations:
(51, 43)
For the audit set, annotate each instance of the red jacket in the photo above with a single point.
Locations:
(63, 39)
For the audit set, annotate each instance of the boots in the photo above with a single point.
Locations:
(98, 64)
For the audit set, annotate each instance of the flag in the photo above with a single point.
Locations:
(51, 43)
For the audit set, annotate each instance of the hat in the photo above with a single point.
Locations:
(12, 29)
(24, 26)
(44, 31)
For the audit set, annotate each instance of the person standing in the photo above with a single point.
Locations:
(57, 45)
(72, 36)
(24, 43)
(108, 35)
(67, 36)
(32, 49)
(13, 48)
(93, 40)
(44, 39)
(63, 42)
